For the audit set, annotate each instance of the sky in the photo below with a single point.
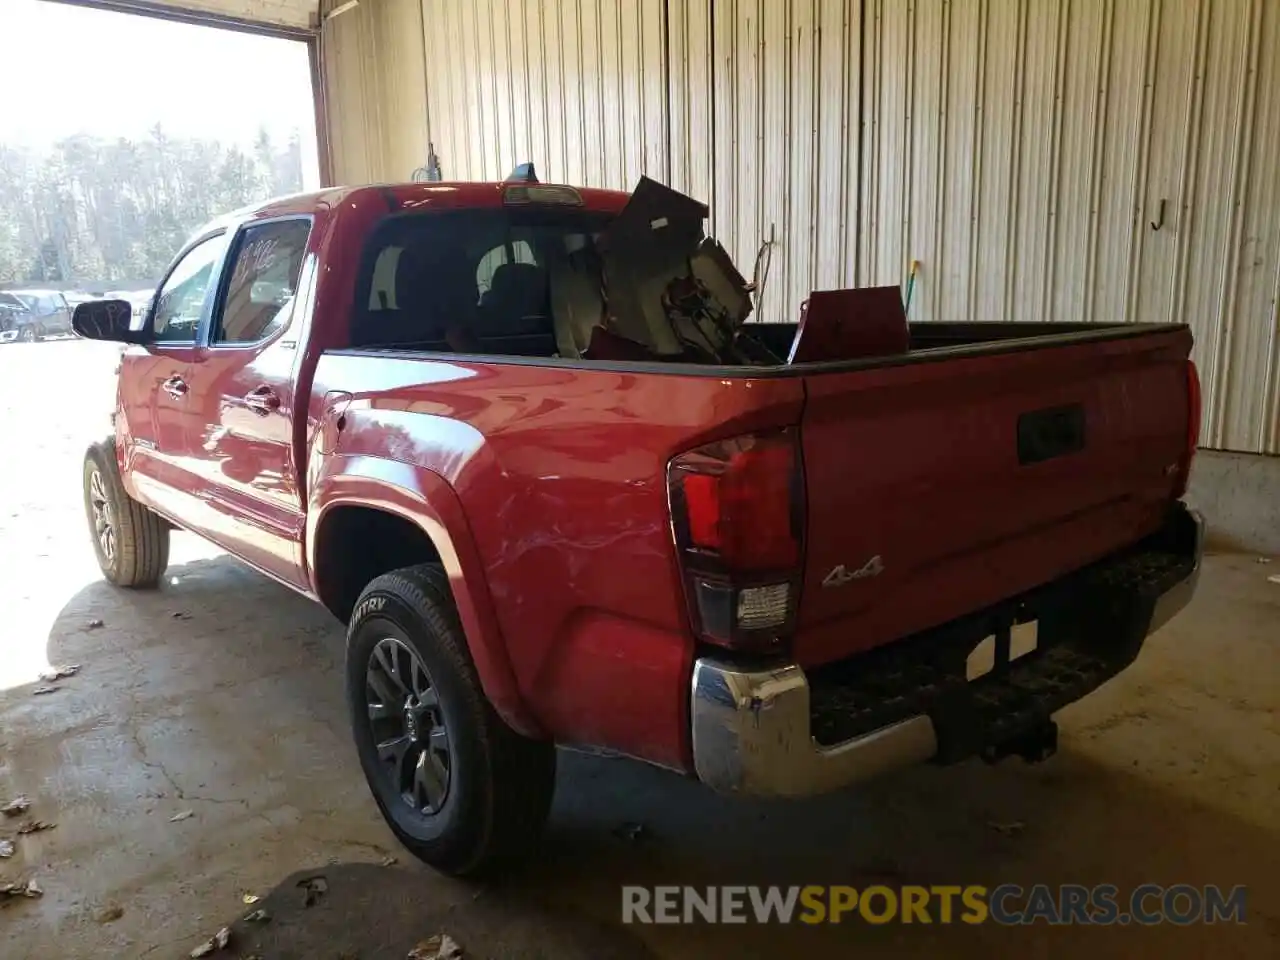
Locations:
(67, 70)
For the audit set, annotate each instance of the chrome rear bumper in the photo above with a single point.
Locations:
(751, 735)
(751, 726)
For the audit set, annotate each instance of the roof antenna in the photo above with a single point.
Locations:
(523, 173)
(431, 173)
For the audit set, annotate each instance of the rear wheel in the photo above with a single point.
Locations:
(462, 790)
(130, 541)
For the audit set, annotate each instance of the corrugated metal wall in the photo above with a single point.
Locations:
(784, 88)
(1086, 159)
(577, 86)
(375, 90)
(1021, 150)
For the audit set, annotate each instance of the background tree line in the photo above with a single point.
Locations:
(95, 213)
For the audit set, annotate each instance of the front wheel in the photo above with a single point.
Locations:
(462, 790)
(130, 541)
(29, 335)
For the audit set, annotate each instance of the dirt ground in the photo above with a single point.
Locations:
(219, 695)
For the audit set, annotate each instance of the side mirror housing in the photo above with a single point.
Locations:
(106, 320)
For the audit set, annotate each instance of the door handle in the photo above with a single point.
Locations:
(175, 387)
(262, 401)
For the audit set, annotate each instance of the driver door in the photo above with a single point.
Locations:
(155, 388)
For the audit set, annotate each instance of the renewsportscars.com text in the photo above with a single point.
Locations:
(1009, 904)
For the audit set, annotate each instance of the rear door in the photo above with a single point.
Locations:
(938, 488)
(243, 401)
(155, 381)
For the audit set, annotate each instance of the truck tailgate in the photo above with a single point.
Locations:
(936, 488)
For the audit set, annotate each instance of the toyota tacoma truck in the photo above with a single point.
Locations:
(520, 440)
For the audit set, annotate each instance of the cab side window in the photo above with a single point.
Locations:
(180, 302)
(262, 283)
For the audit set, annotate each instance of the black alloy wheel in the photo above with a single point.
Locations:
(408, 726)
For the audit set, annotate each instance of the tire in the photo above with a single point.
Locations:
(29, 335)
(493, 798)
(136, 551)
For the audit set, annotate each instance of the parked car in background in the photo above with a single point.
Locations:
(50, 313)
(14, 318)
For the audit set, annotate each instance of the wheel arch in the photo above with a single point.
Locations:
(366, 513)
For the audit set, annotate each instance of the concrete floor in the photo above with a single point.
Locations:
(220, 695)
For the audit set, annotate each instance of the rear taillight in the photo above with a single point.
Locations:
(737, 511)
(1193, 430)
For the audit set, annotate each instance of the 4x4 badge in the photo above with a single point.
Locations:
(839, 576)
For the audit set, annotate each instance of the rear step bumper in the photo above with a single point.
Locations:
(772, 730)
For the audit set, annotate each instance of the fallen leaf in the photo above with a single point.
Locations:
(257, 916)
(249, 898)
(1262, 560)
(6, 849)
(60, 673)
(41, 690)
(109, 913)
(440, 947)
(35, 826)
(313, 889)
(21, 888)
(1275, 579)
(180, 615)
(94, 625)
(1010, 829)
(16, 807)
(389, 861)
(218, 941)
(184, 815)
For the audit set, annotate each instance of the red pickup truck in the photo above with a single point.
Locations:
(465, 419)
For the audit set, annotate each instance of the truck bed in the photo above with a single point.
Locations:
(989, 459)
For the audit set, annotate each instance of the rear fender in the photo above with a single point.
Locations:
(425, 499)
